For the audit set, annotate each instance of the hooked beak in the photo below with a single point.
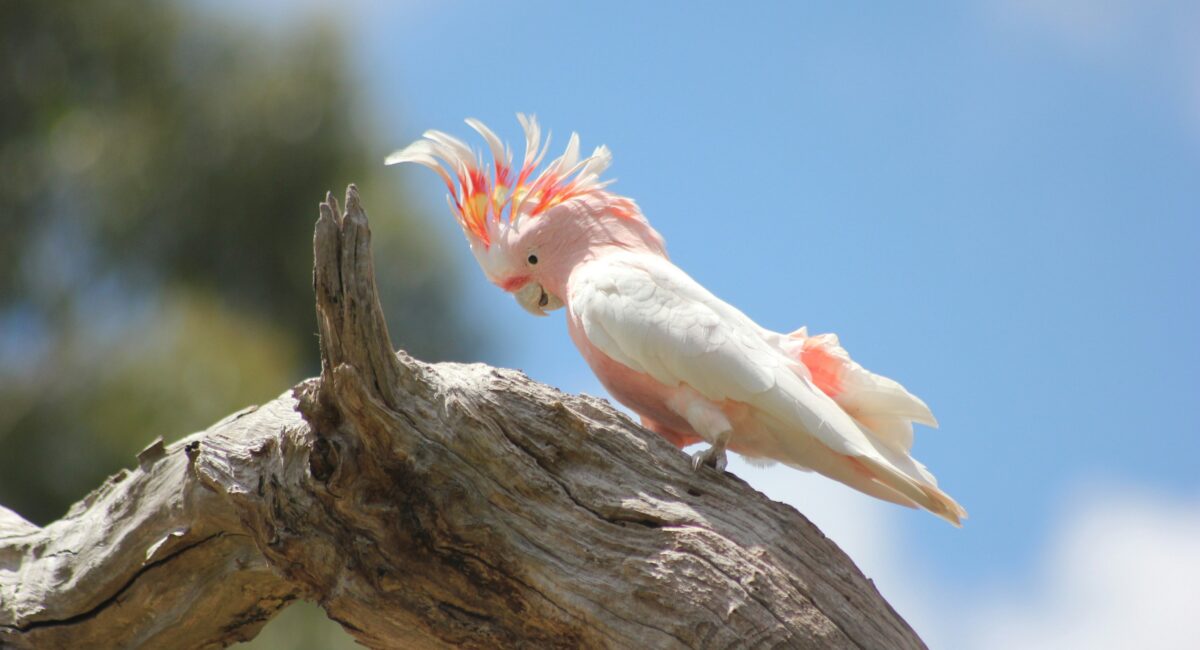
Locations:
(536, 300)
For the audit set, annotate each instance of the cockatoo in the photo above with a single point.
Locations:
(693, 367)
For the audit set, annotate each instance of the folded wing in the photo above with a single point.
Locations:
(645, 313)
(877, 402)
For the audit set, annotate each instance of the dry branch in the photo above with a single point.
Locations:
(423, 505)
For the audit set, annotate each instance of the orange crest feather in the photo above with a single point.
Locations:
(483, 205)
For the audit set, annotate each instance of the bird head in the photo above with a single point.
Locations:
(529, 228)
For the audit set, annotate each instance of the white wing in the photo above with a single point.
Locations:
(647, 314)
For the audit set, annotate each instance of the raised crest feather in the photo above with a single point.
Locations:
(483, 203)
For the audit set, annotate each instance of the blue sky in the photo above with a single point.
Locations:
(997, 204)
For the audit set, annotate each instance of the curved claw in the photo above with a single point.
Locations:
(713, 457)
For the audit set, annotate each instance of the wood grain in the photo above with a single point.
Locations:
(429, 506)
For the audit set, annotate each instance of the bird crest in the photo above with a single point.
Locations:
(485, 204)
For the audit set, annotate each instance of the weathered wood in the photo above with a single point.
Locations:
(423, 505)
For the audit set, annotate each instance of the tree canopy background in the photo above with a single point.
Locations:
(161, 172)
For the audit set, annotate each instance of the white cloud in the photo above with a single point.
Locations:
(1123, 571)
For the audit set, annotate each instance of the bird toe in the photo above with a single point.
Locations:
(713, 457)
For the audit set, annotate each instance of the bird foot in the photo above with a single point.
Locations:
(713, 457)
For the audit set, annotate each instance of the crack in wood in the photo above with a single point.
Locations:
(95, 611)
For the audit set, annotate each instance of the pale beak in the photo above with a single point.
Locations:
(536, 300)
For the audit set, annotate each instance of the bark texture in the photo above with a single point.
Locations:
(429, 506)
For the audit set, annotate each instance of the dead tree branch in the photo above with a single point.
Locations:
(428, 506)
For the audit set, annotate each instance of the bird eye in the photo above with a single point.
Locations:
(533, 259)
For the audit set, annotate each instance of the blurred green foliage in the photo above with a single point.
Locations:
(161, 169)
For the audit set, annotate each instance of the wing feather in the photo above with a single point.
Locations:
(645, 313)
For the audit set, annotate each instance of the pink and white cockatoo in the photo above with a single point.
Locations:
(692, 366)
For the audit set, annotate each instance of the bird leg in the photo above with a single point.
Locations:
(708, 421)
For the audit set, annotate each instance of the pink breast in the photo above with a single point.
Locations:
(638, 391)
